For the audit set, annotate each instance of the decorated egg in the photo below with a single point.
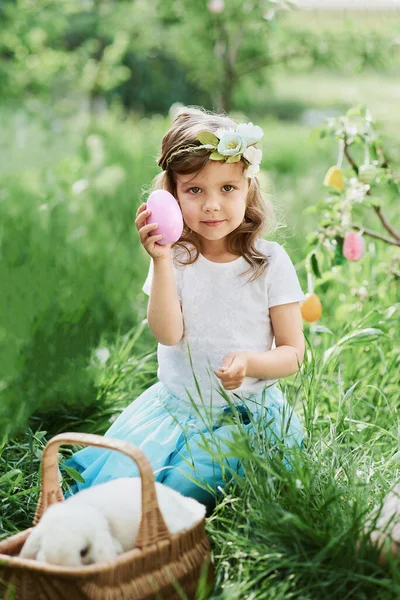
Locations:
(311, 308)
(353, 246)
(334, 178)
(216, 6)
(367, 173)
(166, 212)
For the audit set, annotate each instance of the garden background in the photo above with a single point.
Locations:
(88, 90)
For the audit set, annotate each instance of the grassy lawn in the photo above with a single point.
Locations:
(68, 205)
(377, 89)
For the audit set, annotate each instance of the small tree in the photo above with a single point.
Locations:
(52, 48)
(352, 190)
(223, 43)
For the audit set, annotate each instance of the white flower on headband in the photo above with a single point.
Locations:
(230, 145)
(251, 171)
(253, 133)
(221, 131)
(253, 155)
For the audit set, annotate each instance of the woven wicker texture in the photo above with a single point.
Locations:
(158, 565)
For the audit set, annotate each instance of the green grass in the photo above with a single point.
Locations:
(323, 90)
(277, 533)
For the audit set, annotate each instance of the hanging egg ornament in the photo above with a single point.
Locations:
(334, 178)
(216, 6)
(165, 211)
(311, 308)
(353, 246)
(367, 173)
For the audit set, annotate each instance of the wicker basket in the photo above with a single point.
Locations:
(160, 566)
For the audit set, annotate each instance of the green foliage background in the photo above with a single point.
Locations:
(86, 90)
(87, 86)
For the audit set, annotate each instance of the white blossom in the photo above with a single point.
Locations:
(231, 144)
(253, 155)
(221, 131)
(102, 355)
(252, 133)
(357, 190)
(252, 170)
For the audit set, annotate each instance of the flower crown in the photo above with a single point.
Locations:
(230, 146)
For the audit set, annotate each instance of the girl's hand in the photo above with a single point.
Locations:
(233, 370)
(148, 241)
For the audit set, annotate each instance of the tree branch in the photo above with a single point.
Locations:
(253, 65)
(376, 208)
(346, 151)
(376, 235)
(386, 225)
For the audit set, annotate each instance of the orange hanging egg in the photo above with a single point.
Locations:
(311, 308)
(334, 178)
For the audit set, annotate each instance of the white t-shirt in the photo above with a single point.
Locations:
(223, 312)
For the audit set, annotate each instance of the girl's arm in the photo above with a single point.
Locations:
(285, 359)
(164, 313)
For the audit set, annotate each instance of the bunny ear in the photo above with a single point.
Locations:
(104, 546)
(32, 545)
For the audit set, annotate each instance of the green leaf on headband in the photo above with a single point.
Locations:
(206, 137)
(233, 159)
(217, 156)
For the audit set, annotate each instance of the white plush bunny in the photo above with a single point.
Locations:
(103, 521)
(387, 527)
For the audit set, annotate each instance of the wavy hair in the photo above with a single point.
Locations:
(259, 214)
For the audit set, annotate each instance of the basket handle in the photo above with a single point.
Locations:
(152, 526)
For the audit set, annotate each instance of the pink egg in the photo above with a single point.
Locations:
(353, 246)
(166, 212)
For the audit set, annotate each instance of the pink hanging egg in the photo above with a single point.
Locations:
(165, 211)
(353, 246)
(216, 6)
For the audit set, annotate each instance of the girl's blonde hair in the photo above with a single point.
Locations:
(259, 215)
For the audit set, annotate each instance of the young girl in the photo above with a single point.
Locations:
(215, 329)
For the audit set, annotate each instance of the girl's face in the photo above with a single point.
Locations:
(219, 193)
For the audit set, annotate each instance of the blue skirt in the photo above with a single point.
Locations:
(184, 441)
